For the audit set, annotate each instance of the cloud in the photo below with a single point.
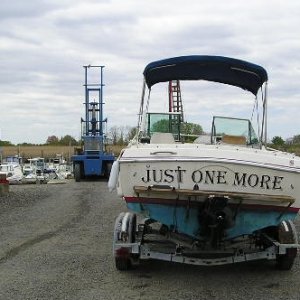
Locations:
(44, 44)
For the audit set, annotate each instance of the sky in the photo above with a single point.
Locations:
(44, 45)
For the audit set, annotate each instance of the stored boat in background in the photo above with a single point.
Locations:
(12, 172)
(11, 167)
(33, 171)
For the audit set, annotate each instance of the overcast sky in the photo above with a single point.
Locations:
(45, 43)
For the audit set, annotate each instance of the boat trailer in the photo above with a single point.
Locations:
(150, 240)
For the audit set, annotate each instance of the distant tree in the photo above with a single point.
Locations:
(160, 126)
(6, 143)
(114, 134)
(192, 129)
(296, 139)
(121, 135)
(131, 134)
(186, 128)
(278, 141)
(68, 140)
(121, 138)
(26, 144)
(52, 139)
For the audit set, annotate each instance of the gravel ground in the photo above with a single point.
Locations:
(56, 243)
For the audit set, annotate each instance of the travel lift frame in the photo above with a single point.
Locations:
(93, 160)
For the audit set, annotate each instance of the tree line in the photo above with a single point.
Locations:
(279, 141)
(121, 135)
(116, 135)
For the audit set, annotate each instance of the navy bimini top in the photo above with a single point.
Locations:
(221, 69)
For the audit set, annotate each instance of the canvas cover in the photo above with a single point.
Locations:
(221, 69)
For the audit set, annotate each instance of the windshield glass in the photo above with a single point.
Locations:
(5, 168)
(164, 122)
(239, 128)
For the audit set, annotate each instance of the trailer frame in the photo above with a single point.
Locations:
(131, 246)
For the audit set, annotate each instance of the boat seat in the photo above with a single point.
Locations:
(162, 138)
(234, 139)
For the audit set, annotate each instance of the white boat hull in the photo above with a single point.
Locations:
(161, 183)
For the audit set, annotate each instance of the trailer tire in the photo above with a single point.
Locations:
(124, 262)
(287, 234)
(132, 228)
(284, 263)
(77, 172)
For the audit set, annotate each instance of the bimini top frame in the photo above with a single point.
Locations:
(235, 72)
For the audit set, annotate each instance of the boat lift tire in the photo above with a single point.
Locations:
(77, 172)
(124, 232)
(287, 234)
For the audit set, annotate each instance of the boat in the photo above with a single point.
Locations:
(13, 159)
(57, 168)
(12, 172)
(29, 174)
(33, 171)
(224, 198)
(11, 167)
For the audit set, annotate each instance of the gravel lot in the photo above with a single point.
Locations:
(56, 243)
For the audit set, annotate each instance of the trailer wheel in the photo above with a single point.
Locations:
(122, 264)
(123, 256)
(132, 228)
(77, 172)
(107, 169)
(287, 234)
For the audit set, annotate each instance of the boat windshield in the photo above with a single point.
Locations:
(233, 131)
(6, 168)
(164, 123)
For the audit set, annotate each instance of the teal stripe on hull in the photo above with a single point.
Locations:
(187, 222)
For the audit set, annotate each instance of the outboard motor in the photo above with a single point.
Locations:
(215, 217)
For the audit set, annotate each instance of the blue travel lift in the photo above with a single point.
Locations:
(93, 160)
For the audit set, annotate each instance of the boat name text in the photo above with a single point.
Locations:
(216, 177)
